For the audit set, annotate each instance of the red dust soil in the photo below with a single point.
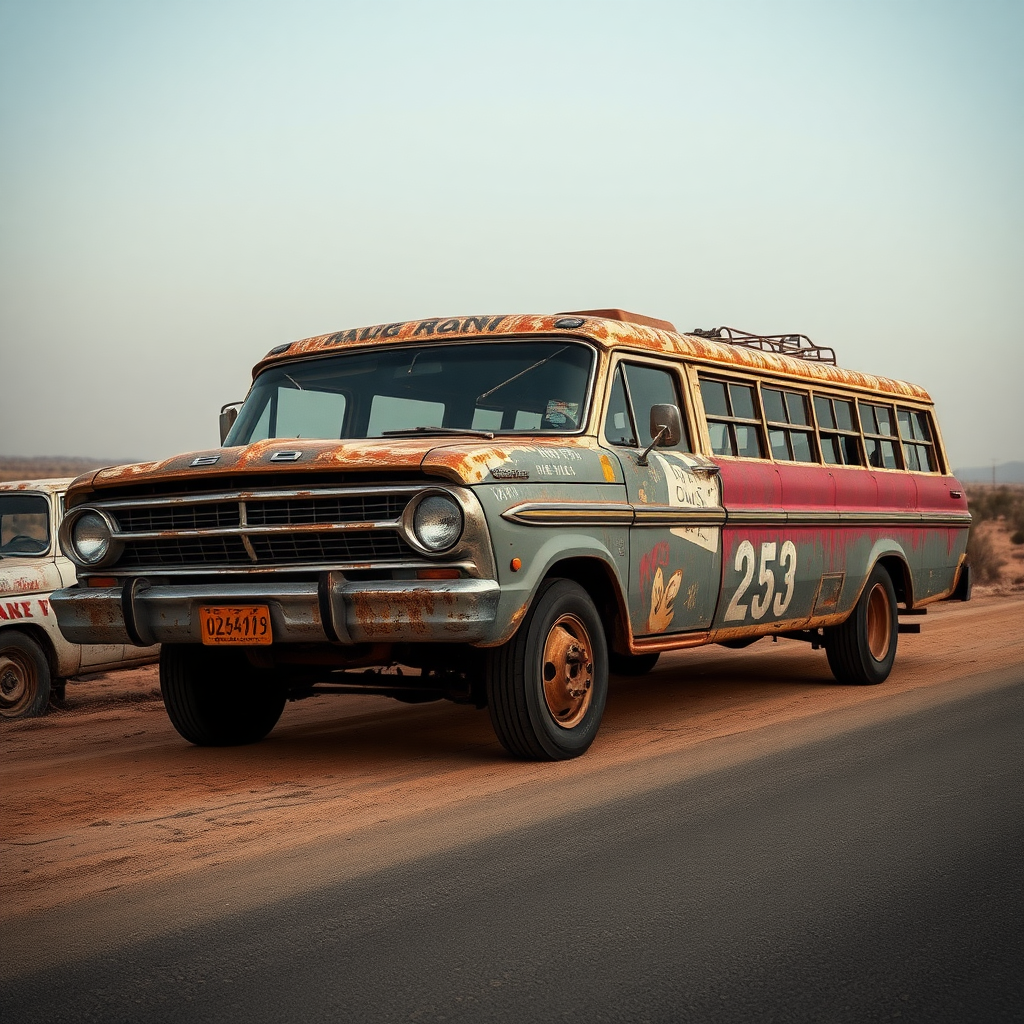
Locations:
(102, 797)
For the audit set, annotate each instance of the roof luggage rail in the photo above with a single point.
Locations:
(799, 346)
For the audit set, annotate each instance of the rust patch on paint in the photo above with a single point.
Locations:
(418, 609)
(606, 333)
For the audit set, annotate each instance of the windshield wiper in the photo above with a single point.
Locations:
(521, 373)
(413, 431)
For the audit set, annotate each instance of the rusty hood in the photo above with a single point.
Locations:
(460, 460)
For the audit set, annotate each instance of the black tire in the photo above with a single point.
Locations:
(214, 698)
(547, 687)
(631, 664)
(862, 649)
(24, 676)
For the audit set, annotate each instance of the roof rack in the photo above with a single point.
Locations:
(799, 346)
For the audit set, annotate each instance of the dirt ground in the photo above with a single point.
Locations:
(103, 795)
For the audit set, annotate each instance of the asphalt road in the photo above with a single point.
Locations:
(872, 876)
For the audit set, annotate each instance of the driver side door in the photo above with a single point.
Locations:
(675, 539)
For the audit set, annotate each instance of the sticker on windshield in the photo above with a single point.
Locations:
(561, 414)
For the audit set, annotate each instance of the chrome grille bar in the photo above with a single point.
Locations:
(255, 527)
(305, 494)
(252, 531)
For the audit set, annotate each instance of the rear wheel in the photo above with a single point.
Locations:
(215, 698)
(24, 676)
(546, 688)
(862, 649)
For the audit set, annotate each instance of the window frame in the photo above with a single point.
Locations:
(51, 526)
(758, 423)
(809, 428)
(356, 403)
(675, 371)
(930, 444)
(894, 438)
(837, 431)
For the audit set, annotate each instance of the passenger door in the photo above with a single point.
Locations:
(675, 540)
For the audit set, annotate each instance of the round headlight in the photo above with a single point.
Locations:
(437, 522)
(90, 537)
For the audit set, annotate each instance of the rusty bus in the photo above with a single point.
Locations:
(503, 510)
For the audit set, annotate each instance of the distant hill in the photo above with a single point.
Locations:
(1006, 473)
(42, 467)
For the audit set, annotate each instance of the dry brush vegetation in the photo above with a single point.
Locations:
(995, 548)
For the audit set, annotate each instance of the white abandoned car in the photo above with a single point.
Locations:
(35, 659)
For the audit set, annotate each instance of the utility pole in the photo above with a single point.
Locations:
(993, 472)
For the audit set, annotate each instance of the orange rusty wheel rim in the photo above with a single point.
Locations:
(568, 671)
(879, 622)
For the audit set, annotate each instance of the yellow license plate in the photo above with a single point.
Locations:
(243, 624)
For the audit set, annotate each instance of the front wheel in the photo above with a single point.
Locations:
(861, 650)
(24, 676)
(215, 698)
(547, 687)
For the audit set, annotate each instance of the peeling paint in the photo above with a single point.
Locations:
(605, 333)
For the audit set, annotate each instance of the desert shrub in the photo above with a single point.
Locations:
(1005, 502)
(982, 558)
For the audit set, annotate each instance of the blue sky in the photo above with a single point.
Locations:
(185, 185)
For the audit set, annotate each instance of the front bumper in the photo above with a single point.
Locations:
(329, 610)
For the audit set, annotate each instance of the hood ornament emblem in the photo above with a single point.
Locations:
(289, 456)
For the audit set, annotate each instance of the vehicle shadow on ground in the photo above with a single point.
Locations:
(333, 733)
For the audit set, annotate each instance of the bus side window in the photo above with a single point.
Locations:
(840, 439)
(734, 423)
(789, 433)
(879, 427)
(648, 386)
(916, 433)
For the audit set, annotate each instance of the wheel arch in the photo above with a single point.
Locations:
(889, 554)
(44, 641)
(599, 579)
(902, 579)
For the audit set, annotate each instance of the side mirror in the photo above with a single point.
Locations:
(669, 418)
(666, 429)
(228, 415)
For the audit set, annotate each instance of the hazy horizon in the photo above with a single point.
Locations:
(186, 185)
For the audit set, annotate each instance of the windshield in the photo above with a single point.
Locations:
(24, 524)
(528, 387)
